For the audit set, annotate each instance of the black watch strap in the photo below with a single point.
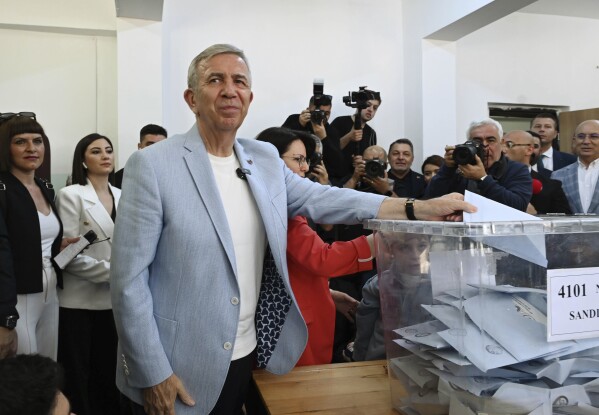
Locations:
(9, 322)
(410, 208)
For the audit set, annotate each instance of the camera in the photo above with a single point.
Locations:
(465, 153)
(359, 99)
(317, 116)
(319, 99)
(315, 160)
(375, 168)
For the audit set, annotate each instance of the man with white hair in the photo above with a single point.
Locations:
(488, 172)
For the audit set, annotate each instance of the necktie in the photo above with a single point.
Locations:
(540, 162)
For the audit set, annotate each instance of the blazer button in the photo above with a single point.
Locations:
(234, 300)
(227, 346)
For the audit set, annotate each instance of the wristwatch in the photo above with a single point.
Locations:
(9, 322)
(410, 208)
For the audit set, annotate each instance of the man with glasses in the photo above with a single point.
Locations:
(315, 120)
(579, 180)
(547, 194)
(550, 160)
(494, 176)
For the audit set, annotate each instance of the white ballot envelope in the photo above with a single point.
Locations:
(514, 323)
(71, 251)
(425, 333)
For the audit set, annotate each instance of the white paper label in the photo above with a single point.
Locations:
(573, 303)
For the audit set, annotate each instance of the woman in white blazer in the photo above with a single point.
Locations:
(87, 338)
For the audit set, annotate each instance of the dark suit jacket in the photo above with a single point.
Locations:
(551, 198)
(560, 160)
(412, 185)
(118, 178)
(24, 234)
(8, 288)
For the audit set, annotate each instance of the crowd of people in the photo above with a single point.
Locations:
(216, 255)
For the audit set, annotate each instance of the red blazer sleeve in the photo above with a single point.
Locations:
(305, 249)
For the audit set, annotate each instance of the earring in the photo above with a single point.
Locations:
(84, 165)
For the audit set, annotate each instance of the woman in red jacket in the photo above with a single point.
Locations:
(310, 260)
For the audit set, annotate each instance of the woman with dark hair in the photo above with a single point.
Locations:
(34, 234)
(431, 166)
(311, 261)
(87, 334)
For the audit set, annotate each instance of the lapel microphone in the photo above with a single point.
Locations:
(243, 173)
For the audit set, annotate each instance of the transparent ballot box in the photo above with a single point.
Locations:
(491, 318)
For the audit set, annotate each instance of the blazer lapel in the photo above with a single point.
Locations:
(97, 212)
(265, 205)
(200, 170)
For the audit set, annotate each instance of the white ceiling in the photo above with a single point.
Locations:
(571, 8)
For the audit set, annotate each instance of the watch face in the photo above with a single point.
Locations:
(10, 322)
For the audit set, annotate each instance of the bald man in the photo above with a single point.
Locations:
(548, 195)
(579, 180)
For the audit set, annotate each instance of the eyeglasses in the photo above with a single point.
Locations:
(511, 144)
(5, 116)
(581, 136)
(300, 160)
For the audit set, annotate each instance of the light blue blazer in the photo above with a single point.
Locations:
(173, 272)
(569, 177)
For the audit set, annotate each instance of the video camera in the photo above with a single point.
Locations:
(375, 168)
(359, 100)
(465, 153)
(318, 116)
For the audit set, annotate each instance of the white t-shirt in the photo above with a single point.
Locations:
(587, 181)
(49, 229)
(249, 241)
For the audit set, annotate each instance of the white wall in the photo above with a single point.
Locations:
(528, 59)
(59, 61)
(63, 65)
(288, 44)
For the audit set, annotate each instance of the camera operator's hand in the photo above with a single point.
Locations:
(448, 157)
(379, 184)
(319, 172)
(304, 117)
(319, 130)
(473, 172)
(352, 135)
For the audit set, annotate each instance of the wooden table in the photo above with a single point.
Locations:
(341, 388)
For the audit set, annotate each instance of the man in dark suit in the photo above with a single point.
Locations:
(315, 120)
(547, 194)
(407, 183)
(148, 135)
(550, 160)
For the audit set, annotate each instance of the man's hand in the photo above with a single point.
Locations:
(319, 130)
(8, 342)
(160, 399)
(352, 135)
(304, 117)
(473, 172)
(379, 184)
(320, 173)
(448, 156)
(445, 208)
(345, 304)
(356, 135)
(67, 241)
